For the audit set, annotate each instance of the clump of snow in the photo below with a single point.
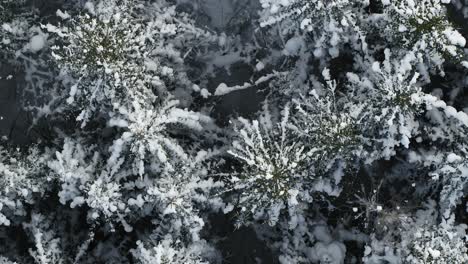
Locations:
(464, 64)
(306, 24)
(223, 89)
(7, 27)
(452, 158)
(455, 37)
(259, 66)
(90, 7)
(73, 90)
(118, 123)
(228, 208)
(293, 46)
(205, 93)
(332, 253)
(326, 74)
(434, 253)
(3, 220)
(37, 43)
(62, 15)
(376, 67)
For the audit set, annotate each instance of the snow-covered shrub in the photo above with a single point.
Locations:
(448, 171)
(102, 54)
(13, 27)
(327, 25)
(375, 114)
(124, 52)
(421, 238)
(388, 101)
(423, 28)
(99, 181)
(23, 179)
(47, 247)
(275, 172)
(146, 134)
(447, 166)
(432, 243)
(328, 125)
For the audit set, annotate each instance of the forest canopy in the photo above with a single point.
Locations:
(234, 131)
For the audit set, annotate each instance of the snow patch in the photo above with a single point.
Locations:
(223, 89)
